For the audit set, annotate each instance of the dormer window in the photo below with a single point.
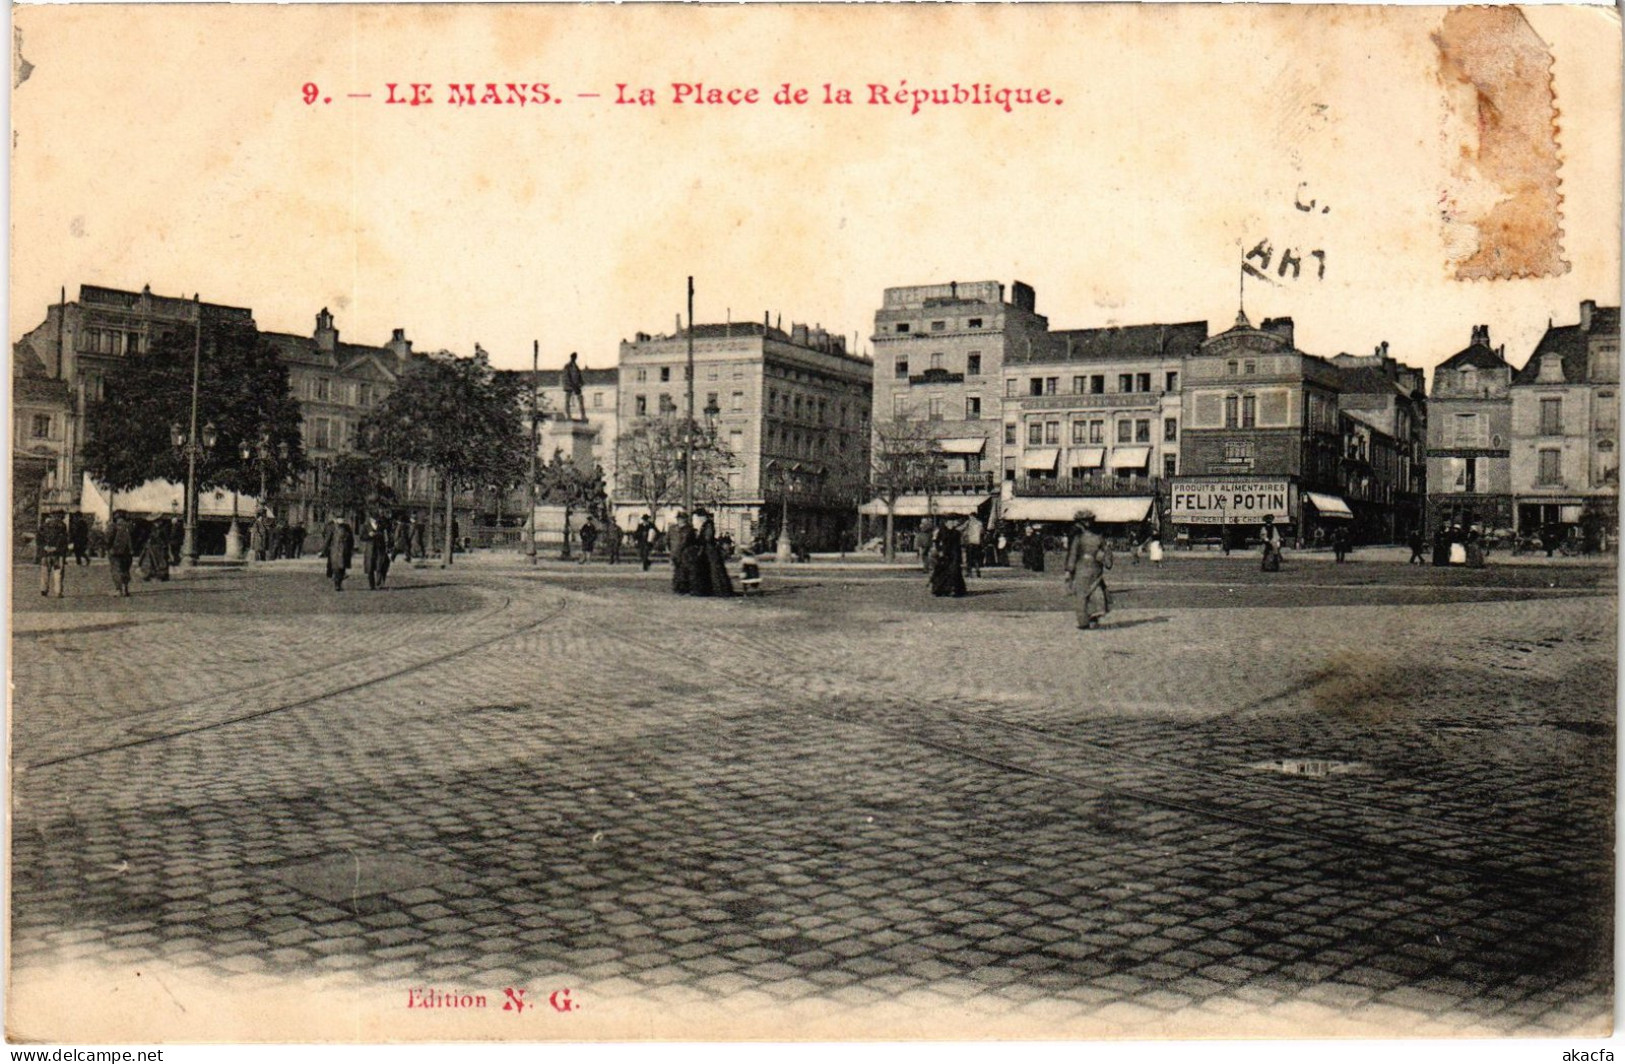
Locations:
(1469, 379)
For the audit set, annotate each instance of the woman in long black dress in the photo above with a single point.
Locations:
(947, 569)
(710, 562)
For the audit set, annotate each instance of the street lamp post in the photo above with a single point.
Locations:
(191, 447)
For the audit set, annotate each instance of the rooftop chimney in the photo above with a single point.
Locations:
(1481, 335)
(327, 337)
(399, 344)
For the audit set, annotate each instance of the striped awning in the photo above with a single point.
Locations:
(1088, 457)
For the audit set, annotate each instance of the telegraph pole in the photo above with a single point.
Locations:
(688, 429)
(530, 493)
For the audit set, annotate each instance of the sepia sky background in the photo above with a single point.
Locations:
(171, 146)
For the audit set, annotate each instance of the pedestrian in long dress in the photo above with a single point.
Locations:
(1032, 549)
(712, 569)
(1088, 557)
(1270, 538)
(52, 547)
(947, 553)
(589, 536)
(120, 551)
(338, 546)
(680, 540)
(155, 554)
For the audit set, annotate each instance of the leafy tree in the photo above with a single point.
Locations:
(649, 463)
(457, 417)
(242, 391)
(563, 483)
(905, 459)
(354, 485)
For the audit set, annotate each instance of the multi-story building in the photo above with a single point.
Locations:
(79, 342)
(792, 407)
(41, 464)
(940, 353)
(1469, 473)
(337, 385)
(1262, 434)
(1389, 398)
(1092, 418)
(1565, 428)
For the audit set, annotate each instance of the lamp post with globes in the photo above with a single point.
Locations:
(192, 448)
(263, 455)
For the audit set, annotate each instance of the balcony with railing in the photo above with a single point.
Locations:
(981, 483)
(1101, 484)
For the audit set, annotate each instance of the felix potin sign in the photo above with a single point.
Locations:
(1231, 502)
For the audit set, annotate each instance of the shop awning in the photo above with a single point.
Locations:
(969, 445)
(923, 506)
(1088, 457)
(1113, 510)
(1044, 458)
(1328, 505)
(1131, 457)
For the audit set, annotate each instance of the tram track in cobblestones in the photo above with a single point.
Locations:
(1475, 869)
(506, 603)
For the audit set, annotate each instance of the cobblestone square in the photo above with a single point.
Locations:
(1367, 798)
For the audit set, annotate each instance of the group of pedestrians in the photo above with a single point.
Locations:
(152, 545)
(272, 539)
(698, 566)
(383, 538)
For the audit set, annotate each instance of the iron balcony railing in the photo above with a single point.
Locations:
(1102, 484)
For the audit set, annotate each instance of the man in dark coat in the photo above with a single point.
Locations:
(680, 541)
(120, 551)
(645, 539)
(612, 541)
(375, 556)
(79, 539)
(52, 548)
(589, 536)
(338, 547)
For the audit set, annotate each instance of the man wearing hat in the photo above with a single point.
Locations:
(680, 542)
(1088, 557)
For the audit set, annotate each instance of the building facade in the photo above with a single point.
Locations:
(1093, 418)
(940, 355)
(79, 342)
(1263, 434)
(1387, 398)
(1469, 455)
(1565, 429)
(792, 408)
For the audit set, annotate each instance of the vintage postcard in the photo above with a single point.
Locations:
(657, 522)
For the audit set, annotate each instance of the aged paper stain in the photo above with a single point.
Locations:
(1502, 212)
